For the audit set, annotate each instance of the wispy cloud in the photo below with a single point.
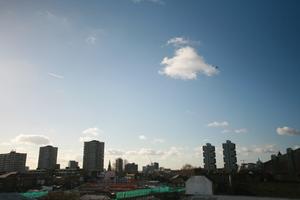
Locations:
(56, 75)
(218, 124)
(230, 130)
(241, 130)
(171, 152)
(266, 149)
(91, 39)
(186, 64)
(54, 18)
(287, 131)
(115, 152)
(161, 2)
(181, 41)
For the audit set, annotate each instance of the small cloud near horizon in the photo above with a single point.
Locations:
(218, 124)
(287, 131)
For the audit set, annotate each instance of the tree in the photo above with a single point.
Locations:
(187, 167)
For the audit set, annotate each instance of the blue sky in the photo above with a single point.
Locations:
(141, 76)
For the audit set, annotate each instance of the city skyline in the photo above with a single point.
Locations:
(151, 81)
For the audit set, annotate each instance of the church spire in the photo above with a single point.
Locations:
(109, 166)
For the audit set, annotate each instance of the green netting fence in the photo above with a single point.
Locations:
(146, 192)
(33, 195)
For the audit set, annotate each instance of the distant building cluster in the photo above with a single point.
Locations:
(93, 162)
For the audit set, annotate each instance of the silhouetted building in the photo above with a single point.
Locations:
(151, 168)
(119, 166)
(13, 161)
(209, 157)
(156, 165)
(109, 166)
(73, 164)
(131, 168)
(229, 156)
(93, 156)
(284, 166)
(47, 157)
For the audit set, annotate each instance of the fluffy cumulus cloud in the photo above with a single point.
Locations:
(287, 131)
(31, 139)
(218, 124)
(90, 134)
(186, 64)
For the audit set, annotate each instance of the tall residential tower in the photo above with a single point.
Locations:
(47, 157)
(229, 155)
(93, 156)
(209, 157)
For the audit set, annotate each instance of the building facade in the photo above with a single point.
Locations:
(154, 167)
(229, 156)
(119, 165)
(13, 161)
(209, 157)
(47, 158)
(73, 164)
(131, 168)
(93, 156)
(284, 167)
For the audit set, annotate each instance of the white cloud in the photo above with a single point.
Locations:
(92, 131)
(241, 130)
(218, 124)
(115, 152)
(178, 41)
(53, 18)
(31, 139)
(90, 134)
(91, 39)
(287, 131)
(171, 152)
(152, 152)
(296, 147)
(56, 75)
(142, 137)
(226, 131)
(186, 65)
(266, 149)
